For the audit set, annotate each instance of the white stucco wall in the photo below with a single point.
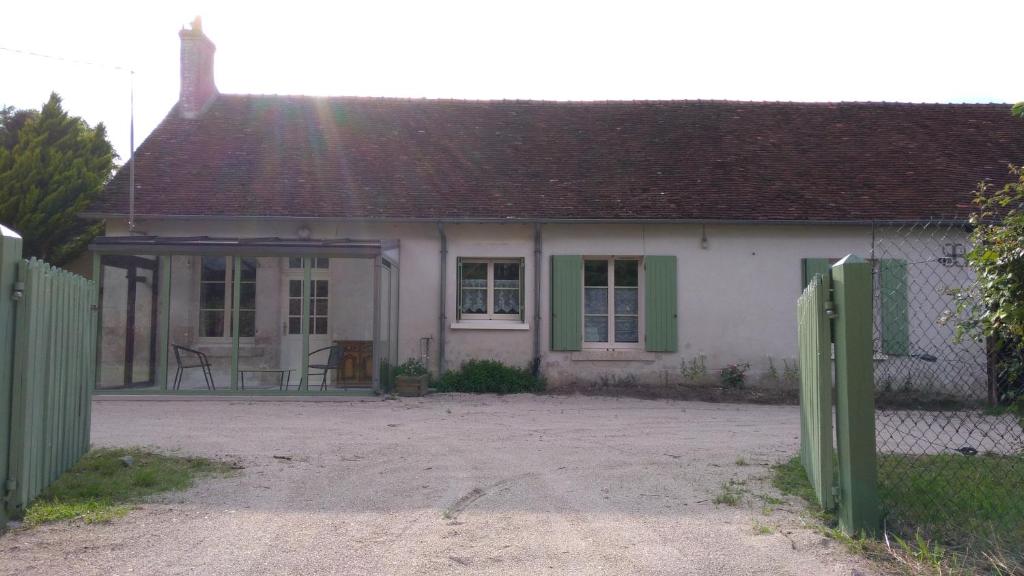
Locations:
(513, 347)
(736, 294)
(736, 297)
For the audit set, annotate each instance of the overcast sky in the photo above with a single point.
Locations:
(893, 50)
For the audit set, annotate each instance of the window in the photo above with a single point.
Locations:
(606, 303)
(317, 306)
(611, 302)
(215, 297)
(490, 289)
(247, 299)
(319, 263)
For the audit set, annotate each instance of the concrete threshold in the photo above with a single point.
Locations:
(229, 398)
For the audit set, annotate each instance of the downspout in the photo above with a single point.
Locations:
(537, 250)
(442, 318)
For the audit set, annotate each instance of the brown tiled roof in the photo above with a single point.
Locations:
(448, 159)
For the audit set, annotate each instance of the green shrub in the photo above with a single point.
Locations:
(411, 367)
(734, 375)
(489, 377)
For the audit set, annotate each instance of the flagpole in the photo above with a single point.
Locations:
(131, 160)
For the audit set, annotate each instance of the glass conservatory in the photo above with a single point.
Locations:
(204, 315)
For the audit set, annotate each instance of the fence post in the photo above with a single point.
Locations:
(855, 402)
(10, 255)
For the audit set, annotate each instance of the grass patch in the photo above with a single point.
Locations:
(89, 511)
(741, 461)
(790, 478)
(100, 486)
(768, 503)
(762, 529)
(956, 516)
(954, 498)
(489, 377)
(731, 493)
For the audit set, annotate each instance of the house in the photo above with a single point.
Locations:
(587, 240)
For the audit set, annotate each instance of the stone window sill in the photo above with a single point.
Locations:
(489, 325)
(613, 356)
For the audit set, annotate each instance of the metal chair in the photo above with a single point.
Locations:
(201, 361)
(333, 363)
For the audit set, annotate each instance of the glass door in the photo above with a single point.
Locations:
(319, 329)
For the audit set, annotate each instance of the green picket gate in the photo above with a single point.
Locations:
(834, 320)
(815, 345)
(47, 372)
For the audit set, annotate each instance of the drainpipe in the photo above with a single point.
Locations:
(537, 249)
(442, 318)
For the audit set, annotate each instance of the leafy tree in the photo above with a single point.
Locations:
(997, 259)
(52, 166)
(993, 307)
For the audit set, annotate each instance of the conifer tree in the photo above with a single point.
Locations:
(52, 166)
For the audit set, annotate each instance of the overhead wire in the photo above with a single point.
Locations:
(131, 137)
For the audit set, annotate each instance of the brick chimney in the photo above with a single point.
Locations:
(197, 87)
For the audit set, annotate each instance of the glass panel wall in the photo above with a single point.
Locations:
(341, 325)
(391, 312)
(129, 291)
(383, 327)
(199, 329)
(204, 320)
(261, 324)
(387, 331)
(223, 323)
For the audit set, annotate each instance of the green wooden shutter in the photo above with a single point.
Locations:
(458, 289)
(894, 312)
(522, 290)
(811, 266)
(566, 302)
(661, 318)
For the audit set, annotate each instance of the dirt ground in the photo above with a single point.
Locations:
(450, 484)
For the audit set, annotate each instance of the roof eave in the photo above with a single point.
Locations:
(450, 220)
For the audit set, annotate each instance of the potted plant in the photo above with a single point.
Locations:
(411, 378)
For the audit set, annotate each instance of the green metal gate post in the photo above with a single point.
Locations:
(855, 403)
(236, 291)
(10, 255)
(307, 283)
(163, 324)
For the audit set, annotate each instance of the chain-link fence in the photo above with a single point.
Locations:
(951, 449)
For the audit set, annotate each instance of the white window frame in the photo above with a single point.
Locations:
(229, 294)
(611, 344)
(490, 315)
(316, 262)
(312, 304)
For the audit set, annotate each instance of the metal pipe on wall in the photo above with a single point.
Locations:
(537, 252)
(442, 318)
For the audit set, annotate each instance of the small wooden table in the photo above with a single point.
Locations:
(284, 373)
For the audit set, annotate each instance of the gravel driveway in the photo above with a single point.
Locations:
(449, 484)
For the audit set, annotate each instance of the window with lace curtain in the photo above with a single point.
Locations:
(490, 289)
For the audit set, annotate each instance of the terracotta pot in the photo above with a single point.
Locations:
(411, 385)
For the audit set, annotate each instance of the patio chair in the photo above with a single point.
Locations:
(333, 363)
(192, 359)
